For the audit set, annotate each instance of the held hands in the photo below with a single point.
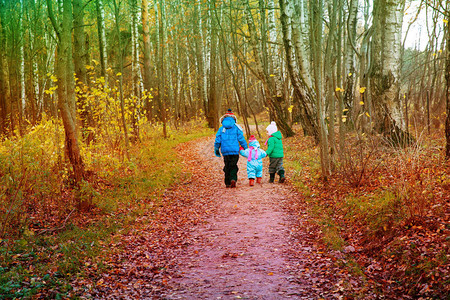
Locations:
(241, 148)
(217, 152)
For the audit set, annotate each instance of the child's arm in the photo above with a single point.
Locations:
(263, 153)
(241, 139)
(243, 152)
(218, 143)
(271, 144)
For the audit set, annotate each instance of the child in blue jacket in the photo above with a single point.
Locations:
(254, 160)
(229, 139)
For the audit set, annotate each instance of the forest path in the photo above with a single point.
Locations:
(211, 242)
(246, 248)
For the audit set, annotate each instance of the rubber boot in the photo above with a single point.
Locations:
(258, 179)
(251, 182)
(233, 183)
(272, 177)
(282, 178)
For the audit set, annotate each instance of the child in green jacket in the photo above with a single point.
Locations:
(275, 152)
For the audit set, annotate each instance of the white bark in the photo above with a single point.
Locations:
(388, 20)
(102, 38)
(295, 12)
(22, 62)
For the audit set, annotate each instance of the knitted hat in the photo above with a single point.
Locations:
(272, 128)
(252, 138)
(229, 112)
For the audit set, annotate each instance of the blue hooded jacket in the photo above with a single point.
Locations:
(229, 137)
(254, 156)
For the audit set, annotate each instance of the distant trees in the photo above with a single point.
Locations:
(166, 62)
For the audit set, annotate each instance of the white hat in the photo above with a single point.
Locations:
(272, 128)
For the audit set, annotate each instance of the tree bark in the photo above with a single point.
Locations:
(384, 74)
(66, 86)
(147, 61)
(101, 27)
(296, 70)
(213, 114)
(447, 90)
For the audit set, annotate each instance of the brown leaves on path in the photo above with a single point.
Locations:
(208, 242)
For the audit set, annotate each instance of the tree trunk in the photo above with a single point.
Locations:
(384, 74)
(213, 114)
(135, 70)
(66, 86)
(273, 101)
(101, 27)
(120, 68)
(147, 61)
(162, 96)
(5, 90)
(447, 90)
(302, 91)
(316, 16)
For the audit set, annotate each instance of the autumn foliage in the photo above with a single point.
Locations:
(386, 208)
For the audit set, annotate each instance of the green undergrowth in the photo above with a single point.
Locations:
(46, 246)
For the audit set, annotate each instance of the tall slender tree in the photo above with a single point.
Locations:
(66, 85)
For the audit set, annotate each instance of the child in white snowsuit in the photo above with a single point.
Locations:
(254, 156)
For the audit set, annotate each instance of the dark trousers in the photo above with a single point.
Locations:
(231, 168)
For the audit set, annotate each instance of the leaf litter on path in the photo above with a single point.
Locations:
(210, 242)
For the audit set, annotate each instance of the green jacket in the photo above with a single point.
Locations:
(275, 143)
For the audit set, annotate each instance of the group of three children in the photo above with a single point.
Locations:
(231, 142)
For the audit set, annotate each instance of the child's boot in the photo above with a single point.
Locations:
(272, 177)
(251, 181)
(233, 184)
(282, 178)
(258, 179)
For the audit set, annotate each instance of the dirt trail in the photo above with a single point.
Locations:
(246, 250)
(212, 242)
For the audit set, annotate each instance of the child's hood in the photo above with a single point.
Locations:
(254, 144)
(228, 122)
(277, 134)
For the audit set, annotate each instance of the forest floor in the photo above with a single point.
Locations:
(210, 242)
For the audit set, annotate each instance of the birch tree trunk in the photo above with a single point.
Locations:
(23, 96)
(135, 69)
(273, 101)
(120, 68)
(147, 60)
(447, 77)
(349, 58)
(79, 41)
(101, 27)
(385, 60)
(66, 86)
(213, 114)
(7, 121)
(316, 16)
(162, 97)
(296, 68)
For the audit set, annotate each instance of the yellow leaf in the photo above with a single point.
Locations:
(344, 120)
(345, 109)
(350, 74)
(338, 89)
(272, 75)
(119, 74)
(362, 90)
(290, 108)
(367, 114)
(361, 102)
(270, 274)
(445, 21)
